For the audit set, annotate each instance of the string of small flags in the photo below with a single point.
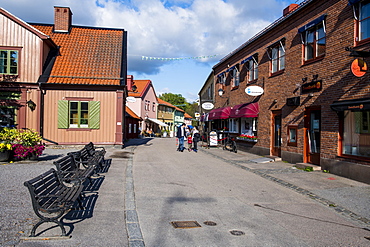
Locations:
(177, 58)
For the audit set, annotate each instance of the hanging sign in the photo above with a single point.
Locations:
(207, 106)
(254, 90)
(131, 99)
(359, 67)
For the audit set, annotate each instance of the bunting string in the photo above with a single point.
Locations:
(178, 58)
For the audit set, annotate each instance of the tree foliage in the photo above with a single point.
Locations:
(179, 101)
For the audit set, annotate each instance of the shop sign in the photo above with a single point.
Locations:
(312, 86)
(197, 114)
(359, 67)
(254, 90)
(207, 106)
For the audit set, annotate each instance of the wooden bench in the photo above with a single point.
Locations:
(51, 199)
(69, 171)
(90, 155)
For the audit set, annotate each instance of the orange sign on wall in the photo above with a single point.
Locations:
(359, 67)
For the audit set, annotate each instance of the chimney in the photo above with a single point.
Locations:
(290, 8)
(62, 19)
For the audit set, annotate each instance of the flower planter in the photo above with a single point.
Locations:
(4, 155)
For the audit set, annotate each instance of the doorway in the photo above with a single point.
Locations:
(276, 133)
(312, 142)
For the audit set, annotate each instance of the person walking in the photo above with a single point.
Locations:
(180, 134)
(196, 138)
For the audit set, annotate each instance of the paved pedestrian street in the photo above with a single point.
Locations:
(153, 195)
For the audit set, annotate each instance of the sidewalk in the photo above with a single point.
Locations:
(101, 224)
(348, 197)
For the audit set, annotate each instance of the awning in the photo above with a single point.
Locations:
(219, 113)
(245, 110)
(159, 122)
(311, 24)
(351, 105)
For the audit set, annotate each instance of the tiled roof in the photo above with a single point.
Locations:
(90, 56)
(132, 113)
(187, 115)
(162, 102)
(141, 86)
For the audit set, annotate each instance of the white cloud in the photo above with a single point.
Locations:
(166, 28)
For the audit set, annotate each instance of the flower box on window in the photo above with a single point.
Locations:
(248, 138)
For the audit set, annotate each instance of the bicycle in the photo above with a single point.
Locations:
(230, 144)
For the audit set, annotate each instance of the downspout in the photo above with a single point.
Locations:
(123, 83)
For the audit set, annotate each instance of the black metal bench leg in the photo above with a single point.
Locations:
(33, 231)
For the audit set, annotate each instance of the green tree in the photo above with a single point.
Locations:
(175, 99)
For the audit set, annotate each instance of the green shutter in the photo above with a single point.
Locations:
(63, 114)
(94, 114)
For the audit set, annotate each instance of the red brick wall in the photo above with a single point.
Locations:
(334, 71)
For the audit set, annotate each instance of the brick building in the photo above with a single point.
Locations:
(311, 104)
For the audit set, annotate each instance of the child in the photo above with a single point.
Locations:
(190, 139)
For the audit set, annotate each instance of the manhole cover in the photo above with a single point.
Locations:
(237, 232)
(185, 224)
(210, 223)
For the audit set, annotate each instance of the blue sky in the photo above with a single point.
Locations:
(166, 38)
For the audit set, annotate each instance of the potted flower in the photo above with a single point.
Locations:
(27, 144)
(7, 136)
(5, 149)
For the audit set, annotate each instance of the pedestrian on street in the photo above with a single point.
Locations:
(189, 137)
(180, 134)
(196, 138)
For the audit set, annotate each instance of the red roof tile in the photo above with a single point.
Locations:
(90, 56)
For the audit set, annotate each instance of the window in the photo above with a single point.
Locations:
(292, 135)
(129, 128)
(364, 20)
(78, 114)
(277, 57)
(314, 42)
(9, 62)
(221, 78)
(235, 77)
(153, 107)
(252, 69)
(356, 133)
(233, 125)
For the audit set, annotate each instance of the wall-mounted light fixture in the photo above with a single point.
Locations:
(310, 95)
(134, 88)
(220, 92)
(31, 105)
(275, 101)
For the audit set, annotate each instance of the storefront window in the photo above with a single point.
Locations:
(356, 133)
(233, 125)
(249, 126)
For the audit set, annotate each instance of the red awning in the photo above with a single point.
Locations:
(245, 110)
(219, 113)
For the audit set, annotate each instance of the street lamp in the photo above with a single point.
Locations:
(220, 92)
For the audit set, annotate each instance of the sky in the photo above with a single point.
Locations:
(173, 43)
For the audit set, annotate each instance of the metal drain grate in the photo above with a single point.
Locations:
(185, 224)
(210, 223)
(237, 232)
